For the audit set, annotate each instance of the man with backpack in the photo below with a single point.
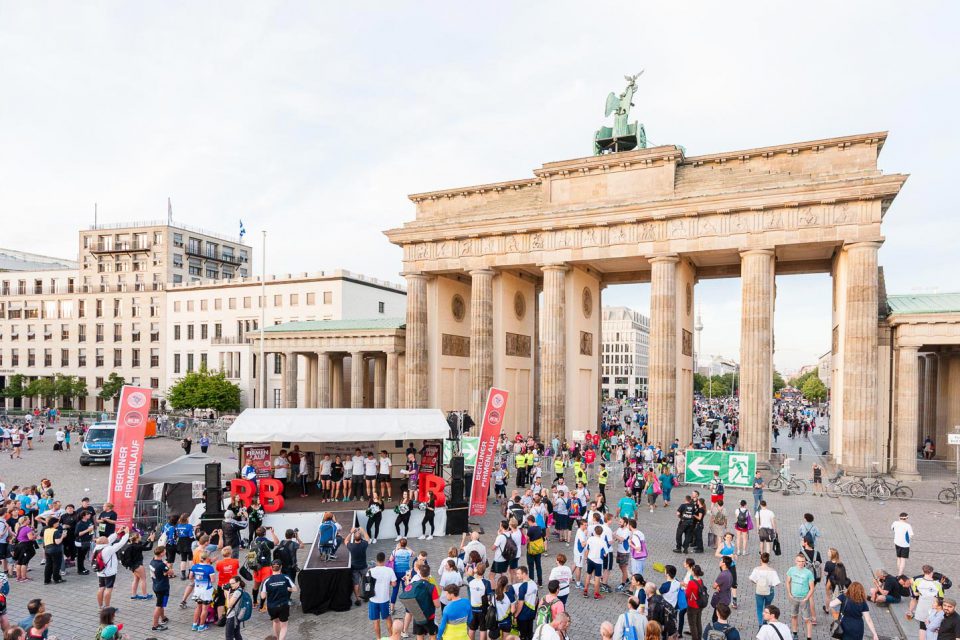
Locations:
(632, 624)
(105, 563)
(550, 605)
(809, 531)
(720, 629)
(661, 611)
(286, 553)
(421, 599)
(260, 558)
(556, 629)
(505, 551)
(524, 603)
(686, 521)
(772, 628)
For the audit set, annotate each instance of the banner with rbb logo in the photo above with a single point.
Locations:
(128, 441)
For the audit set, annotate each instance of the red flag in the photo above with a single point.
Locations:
(487, 449)
(128, 452)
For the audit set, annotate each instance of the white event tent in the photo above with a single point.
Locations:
(336, 425)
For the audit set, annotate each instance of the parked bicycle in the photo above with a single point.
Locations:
(788, 485)
(839, 485)
(949, 494)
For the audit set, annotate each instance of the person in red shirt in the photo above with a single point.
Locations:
(226, 569)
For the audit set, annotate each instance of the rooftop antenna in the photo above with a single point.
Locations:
(169, 212)
(94, 215)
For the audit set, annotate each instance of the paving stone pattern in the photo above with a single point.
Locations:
(74, 608)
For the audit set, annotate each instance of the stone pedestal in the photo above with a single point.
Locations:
(860, 357)
(756, 350)
(481, 339)
(553, 353)
(416, 390)
(662, 412)
(323, 380)
(907, 412)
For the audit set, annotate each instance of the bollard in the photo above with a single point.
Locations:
(800, 455)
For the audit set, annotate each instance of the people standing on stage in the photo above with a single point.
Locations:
(370, 473)
(336, 478)
(411, 471)
(383, 475)
(403, 515)
(326, 486)
(374, 516)
(429, 512)
(356, 464)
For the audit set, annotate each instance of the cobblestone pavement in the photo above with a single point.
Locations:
(860, 532)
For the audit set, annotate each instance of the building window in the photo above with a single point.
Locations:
(231, 303)
(154, 358)
(247, 302)
(176, 306)
(217, 304)
(380, 307)
(48, 357)
(81, 333)
(189, 305)
(81, 357)
(178, 239)
(64, 357)
(294, 299)
(193, 246)
(328, 297)
(31, 358)
(176, 363)
(218, 330)
(98, 358)
(276, 398)
(154, 332)
(99, 311)
(117, 306)
(189, 332)
(277, 363)
(203, 360)
(135, 332)
(99, 333)
(15, 357)
(176, 332)
(203, 331)
(154, 383)
(212, 273)
(118, 333)
(118, 357)
(189, 362)
(135, 358)
(311, 298)
(203, 305)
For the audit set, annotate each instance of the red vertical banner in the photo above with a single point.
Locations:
(487, 449)
(128, 441)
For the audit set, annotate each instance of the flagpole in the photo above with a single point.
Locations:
(263, 316)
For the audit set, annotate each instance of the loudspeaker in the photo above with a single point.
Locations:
(211, 522)
(213, 500)
(457, 492)
(457, 520)
(456, 468)
(212, 475)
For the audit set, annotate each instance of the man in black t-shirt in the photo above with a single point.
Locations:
(107, 520)
(160, 572)
(889, 589)
(685, 524)
(357, 546)
(275, 598)
(83, 534)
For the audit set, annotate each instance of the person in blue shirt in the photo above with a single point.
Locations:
(627, 506)
(666, 484)
(183, 531)
(456, 616)
(204, 580)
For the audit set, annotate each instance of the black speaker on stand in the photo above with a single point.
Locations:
(212, 517)
(457, 504)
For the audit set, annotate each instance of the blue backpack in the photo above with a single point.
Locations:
(244, 607)
(328, 532)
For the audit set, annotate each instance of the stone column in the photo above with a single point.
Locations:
(553, 353)
(323, 380)
(357, 370)
(417, 395)
(289, 380)
(942, 451)
(662, 368)
(393, 380)
(908, 399)
(481, 339)
(336, 379)
(859, 431)
(310, 381)
(379, 388)
(756, 350)
(930, 383)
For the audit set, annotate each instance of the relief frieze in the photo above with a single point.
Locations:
(518, 345)
(453, 345)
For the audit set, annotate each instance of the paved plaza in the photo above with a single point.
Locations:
(858, 529)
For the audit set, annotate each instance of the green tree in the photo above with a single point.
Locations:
(814, 389)
(798, 381)
(778, 381)
(204, 389)
(44, 388)
(700, 383)
(111, 388)
(69, 387)
(16, 387)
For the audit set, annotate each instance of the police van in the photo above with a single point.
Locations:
(98, 443)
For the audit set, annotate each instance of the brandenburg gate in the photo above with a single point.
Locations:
(477, 259)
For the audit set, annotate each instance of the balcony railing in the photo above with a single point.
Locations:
(120, 247)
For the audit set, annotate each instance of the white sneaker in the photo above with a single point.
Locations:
(398, 538)
(430, 537)
(422, 538)
(373, 541)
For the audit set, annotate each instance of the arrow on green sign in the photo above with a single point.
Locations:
(700, 467)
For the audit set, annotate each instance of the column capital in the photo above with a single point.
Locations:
(554, 266)
(906, 349)
(485, 271)
(870, 244)
(665, 257)
(757, 252)
(414, 275)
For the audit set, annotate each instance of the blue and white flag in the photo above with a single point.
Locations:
(243, 231)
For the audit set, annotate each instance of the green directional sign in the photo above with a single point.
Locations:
(736, 468)
(469, 447)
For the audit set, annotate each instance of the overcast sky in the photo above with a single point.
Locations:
(314, 121)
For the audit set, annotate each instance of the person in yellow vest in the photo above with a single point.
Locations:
(602, 480)
(528, 463)
(578, 472)
(558, 466)
(521, 461)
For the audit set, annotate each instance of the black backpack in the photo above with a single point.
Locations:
(264, 558)
(702, 598)
(284, 553)
(741, 518)
(509, 551)
(368, 586)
